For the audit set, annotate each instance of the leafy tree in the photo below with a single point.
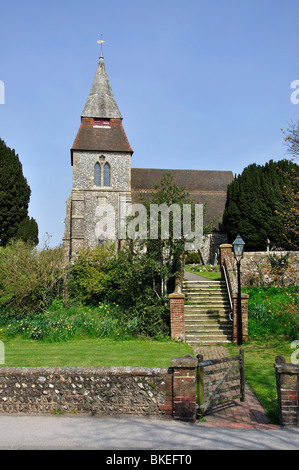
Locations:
(291, 217)
(14, 199)
(254, 200)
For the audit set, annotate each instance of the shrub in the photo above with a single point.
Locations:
(30, 278)
(193, 257)
(130, 278)
(104, 321)
(91, 276)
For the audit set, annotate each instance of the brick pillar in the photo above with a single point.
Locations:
(244, 307)
(287, 381)
(225, 250)
(184, 388)
(177, 320)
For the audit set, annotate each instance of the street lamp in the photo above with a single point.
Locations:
(238, 247)
(101, 239)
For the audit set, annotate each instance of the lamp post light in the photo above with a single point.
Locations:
(101, 239)
(238, 248)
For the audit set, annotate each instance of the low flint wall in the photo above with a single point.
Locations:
(166, 392)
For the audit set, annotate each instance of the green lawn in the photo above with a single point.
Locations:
(92, 352)
(211, 275)
(259, 368)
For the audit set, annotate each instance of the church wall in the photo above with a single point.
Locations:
(83, 170)
(85, 206)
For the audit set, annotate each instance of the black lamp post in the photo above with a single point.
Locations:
(101, 239)
(238, 247)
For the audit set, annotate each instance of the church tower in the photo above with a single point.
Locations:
(101, 161)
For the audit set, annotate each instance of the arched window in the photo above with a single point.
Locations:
(106, 174)
(97, 175)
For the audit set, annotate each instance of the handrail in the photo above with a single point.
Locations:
(229, 294)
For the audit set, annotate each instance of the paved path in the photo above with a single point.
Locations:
(46, 432)
(234, 413)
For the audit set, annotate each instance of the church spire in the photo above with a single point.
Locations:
(101, 102)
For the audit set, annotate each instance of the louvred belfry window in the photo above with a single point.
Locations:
(101, 122)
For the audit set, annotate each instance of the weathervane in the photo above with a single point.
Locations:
(101, 42)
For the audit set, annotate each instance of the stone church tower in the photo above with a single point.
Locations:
(101, 161)
(104, 184)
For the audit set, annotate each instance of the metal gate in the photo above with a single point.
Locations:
(219, 381)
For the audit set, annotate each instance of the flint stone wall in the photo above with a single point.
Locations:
(256, 269)
(103, 390)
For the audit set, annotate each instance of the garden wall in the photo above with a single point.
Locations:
(256, 268)
(168, 392)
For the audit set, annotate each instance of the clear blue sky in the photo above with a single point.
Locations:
(200, 84)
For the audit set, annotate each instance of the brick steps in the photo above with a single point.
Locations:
(207, 311)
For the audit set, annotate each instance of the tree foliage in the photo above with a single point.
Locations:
(255, 200)
(291, 217)
(14, 199)
(29, 278)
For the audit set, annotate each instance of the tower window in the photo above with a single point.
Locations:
(97, 174)
(106, 174)
(101, 122)
(102, 173)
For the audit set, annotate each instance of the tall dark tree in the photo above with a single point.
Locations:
(254, 200)
(14, 199)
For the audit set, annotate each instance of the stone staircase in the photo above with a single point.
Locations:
(207, 309)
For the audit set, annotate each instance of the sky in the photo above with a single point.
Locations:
(202, 85)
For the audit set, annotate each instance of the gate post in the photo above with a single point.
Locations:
(184, 387)
(200, 390)
(177, 320)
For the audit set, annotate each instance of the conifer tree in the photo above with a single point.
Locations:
(254, 200)
(14, 199)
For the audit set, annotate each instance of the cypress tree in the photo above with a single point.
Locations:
(14, 199)
(254, 199)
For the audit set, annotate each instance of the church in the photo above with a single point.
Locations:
(101, 158)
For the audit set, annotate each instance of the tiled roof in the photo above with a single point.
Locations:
(191, 180)
(204, 187)
(103, 139)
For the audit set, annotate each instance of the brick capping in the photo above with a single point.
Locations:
(161, 392)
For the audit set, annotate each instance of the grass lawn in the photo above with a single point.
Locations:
(259, 368)
(92, 352)
(211, 275)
